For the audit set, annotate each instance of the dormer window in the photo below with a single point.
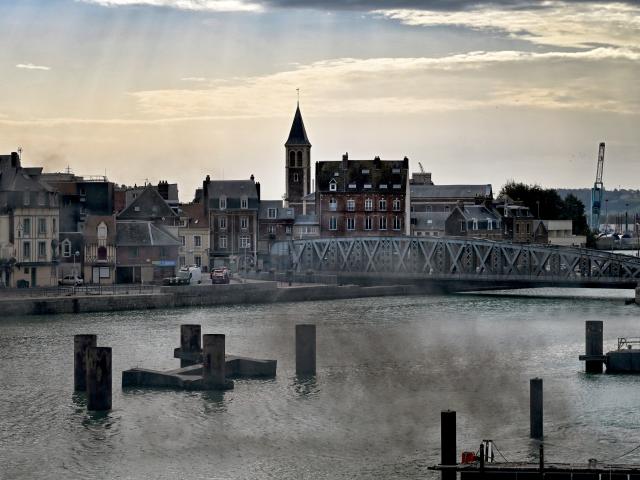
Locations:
(223, 203)
(272, 213)
(395, 170)
(136, 209)
(102, 231)
(352, 185)
(336, 174)
(244, 202)
(333, 186)
(365, 171)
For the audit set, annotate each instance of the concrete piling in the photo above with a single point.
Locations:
(213, 361)
(305, 349)
(99, 378)
(448, 442)
(593, 345)
(190, 336)
(536, 407)
(80, 345)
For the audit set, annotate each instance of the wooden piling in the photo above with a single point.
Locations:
(593, 343)
(536, 407)
(305, 349)
(213, 361)
(80, 345)
(448, 442)
(99, 378)
(190, 342)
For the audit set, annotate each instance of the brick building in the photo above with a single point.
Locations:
(275, 224)
(362, 197)
(475, 221)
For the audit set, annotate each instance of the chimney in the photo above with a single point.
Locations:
(405, 163)
(252, 178)
(257, 189)
(163, 189)
(15, 160)
(345, 160)
(376, 162)
(205, 193)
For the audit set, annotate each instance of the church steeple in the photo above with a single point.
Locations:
(298, 134)
(297, 164)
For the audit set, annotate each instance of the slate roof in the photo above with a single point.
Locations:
(141, 233)
(196, 217)
(385, 176)
(233, 190)
(420, 191)
(19, 179)
(149, 205)
(90, 230)
(479, 212)
(298, 134)
(430, 220)
(281, 214)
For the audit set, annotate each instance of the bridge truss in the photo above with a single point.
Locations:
(442, 256)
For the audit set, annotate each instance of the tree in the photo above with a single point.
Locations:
(573, 209)
(542, 202)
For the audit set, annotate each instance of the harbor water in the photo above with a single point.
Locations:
(386, 368)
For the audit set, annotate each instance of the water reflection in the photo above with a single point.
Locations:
(306, 385)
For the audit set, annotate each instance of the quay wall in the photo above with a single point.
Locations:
(174, 297)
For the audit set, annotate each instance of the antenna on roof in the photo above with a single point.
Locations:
(20, 153)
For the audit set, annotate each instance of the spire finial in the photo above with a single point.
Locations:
(298, 90)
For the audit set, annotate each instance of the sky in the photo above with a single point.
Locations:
(477, 92)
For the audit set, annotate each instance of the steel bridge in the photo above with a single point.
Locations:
(474, 261)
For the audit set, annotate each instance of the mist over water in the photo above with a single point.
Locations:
(386, 368)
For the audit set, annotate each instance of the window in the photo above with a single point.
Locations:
(244, 223)
(397, 222)
(222, 241)
(182, 261)
(351, 223)
(397, 186)
(528, 228)
(197, 260)
(296, 177)
(383, 186)
(42, 250)
(26, 250)
(368, 204)
(396, 205)
(54, 228)
(287, 229)
(66, 248)
(134, 252)
(352, 185)
(489, 224)
(299, 159)
(271, 229)
(292, 159)
(382, 223)
(101, 231)
(517, 228)
(182, 240)
(222, 223)
(197, 241)
(223, 202)
(365, 171)
(333, 204)
(26, 227)
(41, 199)
(163, 252)
(351, 205)
(26, 198)
(395, 170)
(272, 213)
(244, 203)
(245, 241)
(333, 223)
(463, 226)
(367, 223)
(367, 186)
(102, 253)
(382, 205)
(333, 186)
(475, 224)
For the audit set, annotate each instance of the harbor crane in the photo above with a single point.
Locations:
(597, 191)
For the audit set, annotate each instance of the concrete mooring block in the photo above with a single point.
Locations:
(99, 378)
(214, 363)
(536, 407)
(593, 345)
(80, 345)
(305, 349)
(190, 342)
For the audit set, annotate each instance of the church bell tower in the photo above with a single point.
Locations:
(298, 164)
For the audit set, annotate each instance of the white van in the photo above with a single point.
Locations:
(186, 276)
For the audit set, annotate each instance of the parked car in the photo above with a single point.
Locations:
(220, 275)
(74, 280)
(185, 276)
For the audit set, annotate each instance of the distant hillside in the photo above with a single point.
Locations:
(618, 199)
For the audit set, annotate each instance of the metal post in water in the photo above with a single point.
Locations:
(305, 349)
(99, 378)
(189, 343)
(593, 344)
(448, 442)
(80, 345)
(535, 406)
(213, 361)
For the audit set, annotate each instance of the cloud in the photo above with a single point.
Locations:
(557, 23)
(193, 79)
(31, 66)
(195, 5)
(345, 86)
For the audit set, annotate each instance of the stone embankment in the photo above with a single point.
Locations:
(202, 295)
